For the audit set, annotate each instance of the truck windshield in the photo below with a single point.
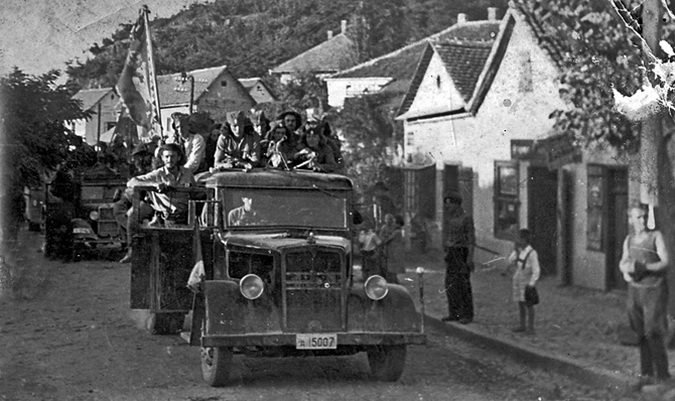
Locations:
(284, 207)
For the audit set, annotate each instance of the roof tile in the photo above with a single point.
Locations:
(90, 97)
(335, 54)
(173, 91)
(464, 62)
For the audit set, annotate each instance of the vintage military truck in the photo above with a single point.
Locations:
(278, 276)
(78, 211)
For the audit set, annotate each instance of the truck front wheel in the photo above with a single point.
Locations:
(386, 362)
(216, 362)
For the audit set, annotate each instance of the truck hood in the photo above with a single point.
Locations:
(279, 241)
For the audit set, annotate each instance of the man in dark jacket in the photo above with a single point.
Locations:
(459, 240)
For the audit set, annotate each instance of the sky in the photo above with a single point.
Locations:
(39, 35)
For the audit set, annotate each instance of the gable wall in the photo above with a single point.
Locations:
(260, 93)
(219, 99)
(437, 92)
(89, 129)
(341, 88)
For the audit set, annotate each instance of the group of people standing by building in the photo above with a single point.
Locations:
(382, 250)
(644, 264)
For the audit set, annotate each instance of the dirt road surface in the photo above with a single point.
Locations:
(68, 334)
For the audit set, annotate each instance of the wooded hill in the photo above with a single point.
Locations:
(253, 36)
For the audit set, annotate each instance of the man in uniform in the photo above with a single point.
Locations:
(244, 214)
(169, 205)
(193, 145)
(459, 240)
(644, 265)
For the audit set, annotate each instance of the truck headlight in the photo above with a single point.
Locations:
(376, 287)
(93, 215)
(251, 286)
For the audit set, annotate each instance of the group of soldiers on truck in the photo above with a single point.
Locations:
(244, 142)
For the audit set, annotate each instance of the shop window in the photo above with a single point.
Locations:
(506, 200)
(410, 139)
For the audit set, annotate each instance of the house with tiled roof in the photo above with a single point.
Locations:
(477, 123)
(215, 90)
(392, 73)
(337, 53)
(102, 102)
(258, 90)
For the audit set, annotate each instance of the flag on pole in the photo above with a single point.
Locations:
(198, 270)
(137, 85)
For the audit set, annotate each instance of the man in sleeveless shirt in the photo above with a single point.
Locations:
(644, 264)
(459, 240)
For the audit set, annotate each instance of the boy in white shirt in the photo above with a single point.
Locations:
(526, 262)
(369, 242)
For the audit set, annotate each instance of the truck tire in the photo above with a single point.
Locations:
(386, 362)
(165, 323)
(216, 363)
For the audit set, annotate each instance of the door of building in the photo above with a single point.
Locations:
(542, 207)
(617, 224)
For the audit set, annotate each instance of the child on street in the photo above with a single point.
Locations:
(369, 241)
(527, 270)
(391, 234)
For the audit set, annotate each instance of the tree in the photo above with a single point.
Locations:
(370, 134)
(595, 54)
(35, 139)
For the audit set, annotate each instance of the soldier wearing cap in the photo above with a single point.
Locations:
(142, 158)
(276, 149)
(238, 144)
(193, 145)
(459, 240)
(169, 205)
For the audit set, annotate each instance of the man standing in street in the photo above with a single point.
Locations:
(644, 265)
(459, 240)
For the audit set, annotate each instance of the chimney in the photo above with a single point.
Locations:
(343, 25)
(330, 34)
(461, 18)
(492, 13)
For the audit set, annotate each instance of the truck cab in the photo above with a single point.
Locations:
(275, 249)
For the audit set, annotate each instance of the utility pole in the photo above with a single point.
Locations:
(184, 77)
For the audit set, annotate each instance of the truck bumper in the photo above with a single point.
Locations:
(278, 340)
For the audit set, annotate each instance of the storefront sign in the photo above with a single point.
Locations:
(522, 149)
(558, 151)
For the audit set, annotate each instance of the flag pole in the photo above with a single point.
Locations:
(151, 68)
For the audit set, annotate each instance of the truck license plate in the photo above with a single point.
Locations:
(315, 341)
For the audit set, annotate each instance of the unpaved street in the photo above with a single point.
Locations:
(68, 334)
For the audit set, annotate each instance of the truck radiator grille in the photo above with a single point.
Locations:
(313, 291)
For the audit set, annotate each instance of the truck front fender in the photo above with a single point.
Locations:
(395, 312)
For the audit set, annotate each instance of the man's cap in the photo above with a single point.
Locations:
(453, 197)
(141, 148)
(238, 118)
(313, 115)
(258, 117)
